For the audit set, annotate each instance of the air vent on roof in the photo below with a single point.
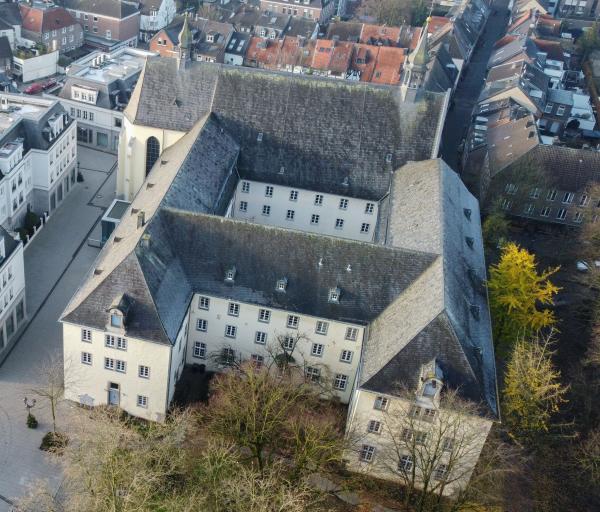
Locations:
(164, 162)
(531, 135)
(141, 219)
(320, 264)
(470, 241)
(145, 240)
(467, 212)
(281, 169)
(97, 271)
(348, 268)
(259, 138)
(149, 185)
(474, 311)
(134, 211)
(388, 158)
(117, 239)
(281, 285)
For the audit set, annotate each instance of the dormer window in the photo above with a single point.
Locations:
(230, 275)
(281, 284)
(118, 313)
(116, 320)
(334, 295)
(467, 212)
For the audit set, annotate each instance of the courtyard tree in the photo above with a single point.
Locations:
(533, 392)
(516, 292)
(495, 230)
(273, 413)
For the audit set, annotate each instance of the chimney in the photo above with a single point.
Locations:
(141, 219)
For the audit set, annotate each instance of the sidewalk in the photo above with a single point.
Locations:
(55, 263)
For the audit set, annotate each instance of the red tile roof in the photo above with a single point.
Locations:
(333, 56)
(388, 65)
(436, 23)
(552, 48)
(379, 32)
(40, 20)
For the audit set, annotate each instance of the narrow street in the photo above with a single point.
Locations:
(471, 84)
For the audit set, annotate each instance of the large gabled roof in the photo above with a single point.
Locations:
(111, 8)
(354, 134)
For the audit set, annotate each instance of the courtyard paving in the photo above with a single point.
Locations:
(55, 262)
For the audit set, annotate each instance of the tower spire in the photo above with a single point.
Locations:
(185, 44)
(416, 66)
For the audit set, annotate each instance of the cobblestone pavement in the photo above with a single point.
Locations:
(55, 263)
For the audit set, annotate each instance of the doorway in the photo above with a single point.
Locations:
(114, 394)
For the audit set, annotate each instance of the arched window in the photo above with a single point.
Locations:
(152, 153)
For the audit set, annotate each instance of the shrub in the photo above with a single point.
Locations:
(54, 442)
(31, 421)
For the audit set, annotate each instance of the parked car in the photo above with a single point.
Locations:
(584, 266)
(49, 84)
(33, 89)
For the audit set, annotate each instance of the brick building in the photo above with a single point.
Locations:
(51, 25)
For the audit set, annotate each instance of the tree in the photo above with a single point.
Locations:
(272, 414)
(495, 230)
(434, 454)
(515, 291)
(588, 456)
(533, 392)
(400, 12)
(590, 40)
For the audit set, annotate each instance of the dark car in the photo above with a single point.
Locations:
(49, 84)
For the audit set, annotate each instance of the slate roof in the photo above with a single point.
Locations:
(10, 13)
(345, 130)
(111, 8)
(5, 49)
(444, 313)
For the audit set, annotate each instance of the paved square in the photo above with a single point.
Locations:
(55, 263)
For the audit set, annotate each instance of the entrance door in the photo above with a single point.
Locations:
(113, 394)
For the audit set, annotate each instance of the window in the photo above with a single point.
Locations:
(234, 309)
(200, 350)
(121, 366)
(317, 349)
(447, 444)
(264, 315)
(260, 338)
(257, 360)
(420, 437)
(343, 204)
(551, 196)
(406, 463)
(562, 213)
(312, 374)
(560, 111)
(511, 188)
(293, 321)
(429, 414)
(506, 204)
(115, 342)
(407, 434)
(366, 453)
(440, 472)
(245, 187)
(339, 223)
(86, 358)
(369, 208)
(118, 122)
(534, 193)
(230, 331)
(201, 324)
(281, 285)
(374, 427)
(334, 295)
(269, 191)
(293, 195)
(340, 381)
(321, 327)
(314, 219)
(266, 210)
(243, 206)
(578, 217)
(116, 320)
(584, 200)
(86, 335)
(381, 403)
(529, 209)
(152, 153)
(365, 227)
(545, 211)
(351, 333)
(144, 371)
(548, 108)
(289, 342)
(568, 197)
(346, 356)
(142, 401)
(227, 356)
(109, 363)
(290, 215)
(318, 199)
(203, 302)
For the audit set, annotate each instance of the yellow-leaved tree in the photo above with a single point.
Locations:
(532, 389)
(516, 289)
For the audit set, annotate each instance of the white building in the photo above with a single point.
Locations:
(187, 277)
(38, 155)
(155, 15)
(12, 291)
(96, 91)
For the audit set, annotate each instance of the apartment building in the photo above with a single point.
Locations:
(97, 90)
(38, 155)
(110, 19)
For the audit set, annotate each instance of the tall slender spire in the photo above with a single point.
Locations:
(415, 70)
(185, 44)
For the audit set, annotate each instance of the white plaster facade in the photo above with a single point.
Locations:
(305, 210)
(155, 18)
(34, 68)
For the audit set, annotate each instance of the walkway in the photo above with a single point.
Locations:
(55, 263)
